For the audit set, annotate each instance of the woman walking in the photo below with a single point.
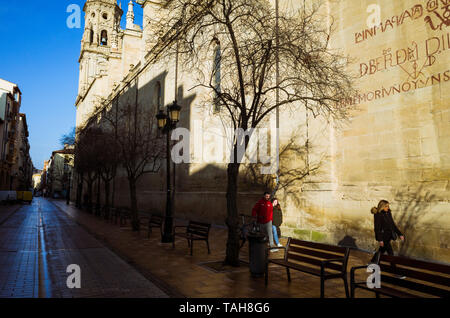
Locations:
(385, 229)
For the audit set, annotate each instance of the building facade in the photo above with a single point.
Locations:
(23, 168)
(59, 172)
(37, 183)
(395, 145)
(15, 162)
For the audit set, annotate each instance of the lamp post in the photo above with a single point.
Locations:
(166, 123)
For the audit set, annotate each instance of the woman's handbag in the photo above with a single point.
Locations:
(394, 235)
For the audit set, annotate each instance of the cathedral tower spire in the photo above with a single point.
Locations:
(130, 16)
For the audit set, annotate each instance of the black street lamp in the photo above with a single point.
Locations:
(166, 123)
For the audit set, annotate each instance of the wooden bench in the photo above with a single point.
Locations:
(423, 279)
(151, 221)
(114, 214)
(121, 215)
(323, 260)
(98, 210)
(195, 231)
(106, 212)
(125, 215)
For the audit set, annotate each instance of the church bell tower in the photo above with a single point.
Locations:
(100, 40)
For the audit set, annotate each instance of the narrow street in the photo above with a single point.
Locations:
(39, 242)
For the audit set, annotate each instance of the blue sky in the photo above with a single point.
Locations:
(40, 54)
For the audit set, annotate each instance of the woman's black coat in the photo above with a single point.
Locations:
(385, 226)
(277, 216)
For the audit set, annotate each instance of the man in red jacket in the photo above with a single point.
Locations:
(263, 211)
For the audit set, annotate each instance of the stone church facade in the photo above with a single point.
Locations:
(396, 145)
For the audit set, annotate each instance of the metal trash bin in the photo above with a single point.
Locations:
(257, 243)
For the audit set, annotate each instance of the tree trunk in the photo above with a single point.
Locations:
(232, 253)
(133, 198)
(106, 183)
(113, 196)
(98, 204)
(90, 185)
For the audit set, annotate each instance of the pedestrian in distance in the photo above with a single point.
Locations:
(263, 212)
(385, 230)
(277, 221)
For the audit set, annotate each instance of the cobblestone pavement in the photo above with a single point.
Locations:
(187, 276)
(38, 243)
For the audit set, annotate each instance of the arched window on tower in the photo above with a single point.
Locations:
(91, 36)
(217, 77)
(104, 38)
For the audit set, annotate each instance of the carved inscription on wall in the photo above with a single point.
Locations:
(413, 60)
(418, 64)
(434, 13)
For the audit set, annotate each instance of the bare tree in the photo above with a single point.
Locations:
(69, 138)
(108, 156)
(268, 60)
(136, 143)
(87, 162)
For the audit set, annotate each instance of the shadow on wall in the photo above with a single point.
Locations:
(295, 166)
(348, 241)
(348, 232)
(414, 209)
(151, 97)
(201, 195)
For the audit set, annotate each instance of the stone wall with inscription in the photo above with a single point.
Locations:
(397, 144)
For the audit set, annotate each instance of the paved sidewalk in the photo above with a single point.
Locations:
(182, 275)
(37, 245)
